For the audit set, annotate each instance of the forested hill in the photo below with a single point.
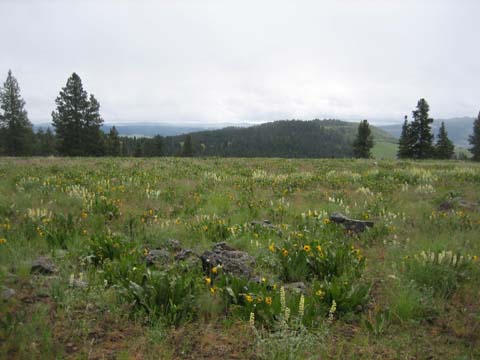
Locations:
(286, 138)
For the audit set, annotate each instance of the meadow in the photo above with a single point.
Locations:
(105, 258)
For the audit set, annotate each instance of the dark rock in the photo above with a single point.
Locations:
(43, 265)
(174, 245)
(350, 224)
(446, 205)
(268, 225)
(157, 256)
(264, 223)
(7, 293)
(233, 261)
(296, 286)
(183, 254)
(458, 202)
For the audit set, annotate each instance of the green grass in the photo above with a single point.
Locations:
(384, 150)
(380, 294)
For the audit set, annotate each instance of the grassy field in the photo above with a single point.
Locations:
(407, 288)
(384, 150)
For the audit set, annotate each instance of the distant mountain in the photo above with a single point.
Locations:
(285, 138)
(458, 129)
(145, 129)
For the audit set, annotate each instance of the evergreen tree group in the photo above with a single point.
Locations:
(16, 132)
(363, 142)
(474, 139)
(78, 132)
(416, 139)
(77, 121)
(444, 148)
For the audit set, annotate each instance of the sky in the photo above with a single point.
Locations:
(225, 61)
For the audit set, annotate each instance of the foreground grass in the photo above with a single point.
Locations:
(95, 218)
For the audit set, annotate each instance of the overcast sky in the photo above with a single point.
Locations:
(225, 61)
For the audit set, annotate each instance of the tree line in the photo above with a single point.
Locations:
(77, 131)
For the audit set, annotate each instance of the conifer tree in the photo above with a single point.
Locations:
(406, 141)
(114, 145)
(364, 141)
(422, 132)
(92, 136)
(444, 148)
(187, 146)
(17, 134)
(474, 140)
(77, 121)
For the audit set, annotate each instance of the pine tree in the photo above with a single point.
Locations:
(93, 138)
(114, 145)
(187, 146)
(422, 132)
(444, 148)
(474, 139)
(77, 121)
(406, 141)
(364, 141)
(17, 133)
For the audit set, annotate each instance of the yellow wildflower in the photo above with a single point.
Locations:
(268, 300)
(84, 214)
(319, 248)
(307, 248)
(3, 241)
(285, 252)
(474, 257)
(271, 247)
(213, 289)
(208, 280)
(214, 270)
(320, 293)
(326, 221)
(249, 298)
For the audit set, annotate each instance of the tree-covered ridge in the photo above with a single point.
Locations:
(284, 138)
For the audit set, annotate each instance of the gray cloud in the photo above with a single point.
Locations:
(239, 61)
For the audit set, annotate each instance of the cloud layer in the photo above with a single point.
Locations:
(217, 61)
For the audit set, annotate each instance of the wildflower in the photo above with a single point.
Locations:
(301, 306)
(84, 232)
(214, 270)
(84, 215)
(208, 280)
(249, 298)
(268, 300)
(271, 247)
(285, 252)
(331, 312)
(282, 299)
(319, 248)
(145, 252)
(213, 289)
(320, 293)
(326, 221)
(287, 314)
(474, 257)
(264, 280)
(3, 241)
(252, 319)
(307, 248)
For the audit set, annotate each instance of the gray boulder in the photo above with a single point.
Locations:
(157, 257)
(43, 265)
(356, 226)
(233, 261)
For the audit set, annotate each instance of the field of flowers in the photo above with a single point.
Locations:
(105, 258)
